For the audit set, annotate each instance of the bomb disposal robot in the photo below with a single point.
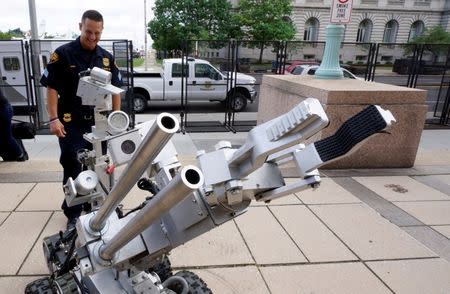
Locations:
(112, 252)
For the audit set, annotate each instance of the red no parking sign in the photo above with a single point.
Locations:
(341, 11)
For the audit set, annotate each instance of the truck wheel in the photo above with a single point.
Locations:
(139, 102)
(41, 286)
(238, 102)
(195, 283)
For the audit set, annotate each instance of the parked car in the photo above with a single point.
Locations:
(295, 63)
(311, 70)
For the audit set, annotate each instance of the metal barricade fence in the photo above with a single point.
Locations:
(40, 56)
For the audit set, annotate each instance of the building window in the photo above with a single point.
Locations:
(422, 2)
(390, 31)
(364, 31)
(311, 32)
(416, 30)
(11, 63)
(396, 2)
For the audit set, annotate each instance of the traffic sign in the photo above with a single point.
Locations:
(341, 11)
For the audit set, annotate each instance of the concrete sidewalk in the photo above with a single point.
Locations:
(361, 231)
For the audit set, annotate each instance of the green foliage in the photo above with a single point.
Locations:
(266, 20)
(5, 36)
(432, 38)
(16, 33)
(177, 20)
(138, 61)
(433, 35)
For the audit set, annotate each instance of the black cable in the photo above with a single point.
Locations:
(65, 266)
(81, 286)
(135, 209)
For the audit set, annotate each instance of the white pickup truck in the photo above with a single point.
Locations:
(204, 83)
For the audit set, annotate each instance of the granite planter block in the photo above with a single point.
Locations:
(344, 98)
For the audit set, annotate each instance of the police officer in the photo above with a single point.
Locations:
(69, 120)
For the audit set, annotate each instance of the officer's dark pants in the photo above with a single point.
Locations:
(9, 148)
(70, 144)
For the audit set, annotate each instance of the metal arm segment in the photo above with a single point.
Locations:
(189, 179)
(160, 133)
(303, 121)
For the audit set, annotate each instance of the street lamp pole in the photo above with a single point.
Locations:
(36, 51)
(145, 30)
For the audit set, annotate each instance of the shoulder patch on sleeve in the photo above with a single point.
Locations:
(54, 57)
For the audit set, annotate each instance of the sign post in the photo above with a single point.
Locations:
(341, 11)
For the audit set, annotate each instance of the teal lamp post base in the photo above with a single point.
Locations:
(330, 68)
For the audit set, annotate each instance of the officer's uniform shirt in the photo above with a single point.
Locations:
(62, 72)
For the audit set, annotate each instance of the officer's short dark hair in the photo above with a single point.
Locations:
(92, 15)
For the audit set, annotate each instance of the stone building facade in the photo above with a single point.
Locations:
(403, 17)
(372, 21)
(390, 21)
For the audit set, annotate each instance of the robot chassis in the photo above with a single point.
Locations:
(112, 252)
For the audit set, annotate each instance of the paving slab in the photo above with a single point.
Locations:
(234, 280)
(438, 182)
(266, 238)
(401, 189)
(414, 276)
(444, 230)
(44, 196)
(432, 239)
(35, 262)
(18, 234)
(15, 285)
(328, 192)
(42, 146)
(315, 240)
(368, 234)
(3, 216)
(286, 200)
(429, 212)
(135, 198)
(12, 194)
(34, 165)
(323, 278)
(33, 176)
(384, 207)
(220, 246)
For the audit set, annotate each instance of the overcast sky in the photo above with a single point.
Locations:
(122, 19)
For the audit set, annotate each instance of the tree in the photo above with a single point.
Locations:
(266, 20)
(16, 33)
(5, 36)
(432, 38)
(176, 21)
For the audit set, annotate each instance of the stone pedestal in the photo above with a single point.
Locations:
(344, 98)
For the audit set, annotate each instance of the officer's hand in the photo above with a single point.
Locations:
(57, 128)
